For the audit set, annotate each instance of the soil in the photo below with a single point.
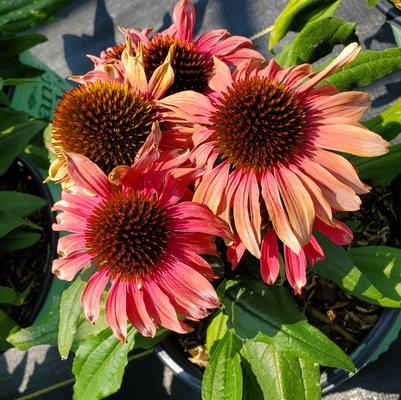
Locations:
(27, 266)
(343, 318)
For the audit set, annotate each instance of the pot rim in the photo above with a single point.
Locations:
(391, 13)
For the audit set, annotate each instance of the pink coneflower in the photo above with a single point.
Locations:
(192, 60)
(265, 138)
(113, 120)
(143, 239)
(295, 264)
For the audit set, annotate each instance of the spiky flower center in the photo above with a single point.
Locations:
(115, 51)
(105, 121)
(258, 123)
(128, 234)
(191, 67)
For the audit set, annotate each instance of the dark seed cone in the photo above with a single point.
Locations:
(128, 234)
(259, 123)
(192, 68)
(105, 121)
(116, 51)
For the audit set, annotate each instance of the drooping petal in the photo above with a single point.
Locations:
(269, 262)
(254, 205)
(298, 203)
(160, 308)
(92, 294)
(135, 71)
(87, 175)
(66, 268)
(340, 234)
(313, 251)
(69, 221)
(184, 20)
(278, 217)
(295, 268)
(242, 218)
(70, 244)
(235, 252)
(116, 302)
(137, 313)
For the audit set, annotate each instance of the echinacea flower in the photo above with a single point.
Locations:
(295, 263)
(192, 59)
(267, 138)
(111, 120)
(143, 239)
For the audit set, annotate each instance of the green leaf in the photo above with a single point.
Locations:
(268, 314)
(71, 316)
(7, 324)
(222, 379)
(17, 44)
(18, 239)
(215, 330)
(99, 365)
(376, 286)
(11, 67)
(297, 13)
(7, 295)
(282, 376)
(12, 145)
(21, 204)
(367, 67)
(10, 221)
(251, 388)
(9, 118)
(380, 170)
(372, 3)
(388, 123)
(316, 40)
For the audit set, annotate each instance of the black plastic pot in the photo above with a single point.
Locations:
(27, 168)
(393, 16)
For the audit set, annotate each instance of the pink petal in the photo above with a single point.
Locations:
(346, 135)
(87, 175)
(116, 308)
(341, 168)
(201, 135)
(340, 234)
(269, 262)
(242, 217)
(66, 268)
(221, 78)
(313, 251)
(297, 75)
(137, 313)
(160, 308)
(240, 55)
(200, 243)
(211, 188)
(235, 252)
(68, 221)
(247, 69)
(211, 38)
(278, 217)
(271, 70)
(298, 203)
(254, 205)
(340, 196)
(92, 294)
(345, 57)
(295, 268)
(184, 20)
(70, 244)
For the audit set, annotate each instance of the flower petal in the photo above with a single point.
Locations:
(66, 268)
(295, 268)
(116, 302)
(235, 252)
(269, 263)
(313, 251)
(184, 20)
(340, 234)
(221, 78)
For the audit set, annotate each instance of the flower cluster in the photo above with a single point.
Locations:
(172, 141)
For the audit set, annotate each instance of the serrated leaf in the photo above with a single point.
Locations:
(70, 316)
(10, 221)
(291, 18)
(367, 67)
(18, 239)
(316, 40)
(268, 314)
(222, 379)
(21, 204)
(17, 44)
(12, 144)
(216, 330)
(388, 123)
(99, 365)
(282, 376)
(371, 286)
(380, 170)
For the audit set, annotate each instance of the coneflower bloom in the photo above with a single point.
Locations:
(144, 239)
(266, 139)
(192, 60)
(295, 264)
(110, 119)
